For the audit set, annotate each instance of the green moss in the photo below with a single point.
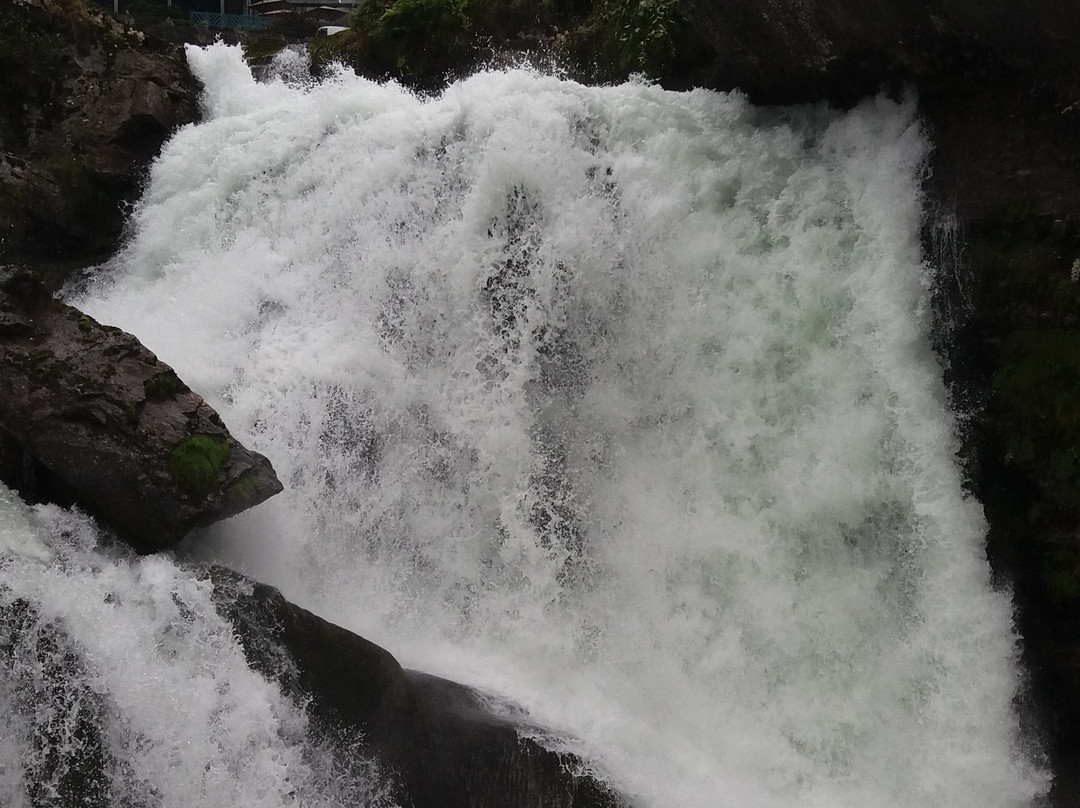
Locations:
(41, 356)
(196, 462)
(133, 413)
(243, 489)
(44, 366)
(86, 323)
(163, 385)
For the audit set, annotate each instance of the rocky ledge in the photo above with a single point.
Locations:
(89, 416)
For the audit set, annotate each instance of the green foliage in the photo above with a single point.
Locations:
(1027, 270)
(196, 462)
(147, 13)
(647, 37)
(345, 48)
(416, 41)
(1061, 574)
(419, 21)
(643, 32)
(424, 42)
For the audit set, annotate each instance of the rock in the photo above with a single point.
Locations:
(66, 761)
(88, 415)
(84, 107)
(468, 757)
(349, 681)
(794, 51)
(447, 747)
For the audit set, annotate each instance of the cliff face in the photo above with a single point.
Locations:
(791, 51)
(85, 105)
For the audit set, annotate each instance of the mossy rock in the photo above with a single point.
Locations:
(163, 385)
(243, 489)
(196, 462)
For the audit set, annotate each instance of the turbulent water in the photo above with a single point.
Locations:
(616, 401)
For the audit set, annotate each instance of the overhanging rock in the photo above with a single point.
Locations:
(89, 416)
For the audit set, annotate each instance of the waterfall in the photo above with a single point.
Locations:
(121, 667)
(614, 401)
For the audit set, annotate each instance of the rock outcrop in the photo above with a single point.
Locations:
(85, 104)
(440, 738)
(88, 415)
(795, 51)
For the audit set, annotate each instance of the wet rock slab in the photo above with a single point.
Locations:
(89, 416)
(441, 741)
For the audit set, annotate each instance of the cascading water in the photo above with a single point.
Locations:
(616, 401)
(120, 685)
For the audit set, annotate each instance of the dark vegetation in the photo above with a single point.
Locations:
(424, 43)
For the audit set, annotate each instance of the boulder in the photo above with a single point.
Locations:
(89, 416)
(442, 740)
(466, 756)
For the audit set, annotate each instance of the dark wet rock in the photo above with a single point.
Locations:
(85, 104)
(442, 742)
(350, 681)
(1011, 342)
(466, 756)
(89, 416)
(794, 51)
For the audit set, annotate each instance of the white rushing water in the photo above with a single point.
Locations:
(121, 667)
(616, 401)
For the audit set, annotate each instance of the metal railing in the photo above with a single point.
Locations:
(249, 22)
